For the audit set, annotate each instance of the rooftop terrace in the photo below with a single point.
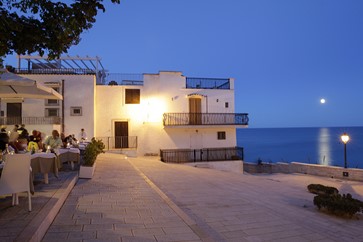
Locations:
(75, 65)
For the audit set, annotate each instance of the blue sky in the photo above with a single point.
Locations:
(285, 55)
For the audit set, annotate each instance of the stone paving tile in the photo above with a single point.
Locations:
(117, 204)
(148, 238)
(82, 235)
(252, 208)
(13, 220)
(177, 237)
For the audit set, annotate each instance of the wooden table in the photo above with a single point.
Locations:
(44, 163)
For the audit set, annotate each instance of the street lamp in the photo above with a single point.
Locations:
(345, 139)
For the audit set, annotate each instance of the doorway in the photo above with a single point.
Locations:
(13, 112)
(121, 134)
(195, 111)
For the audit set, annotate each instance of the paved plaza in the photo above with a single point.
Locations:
(143, 199)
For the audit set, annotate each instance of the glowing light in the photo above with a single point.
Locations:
(150, 110)
(345, 138)
(322, 101)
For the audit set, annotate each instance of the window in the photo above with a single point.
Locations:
(76, 111)
(52, 112)
(221, 135)
(226, 104)
(132, 96)
(52, 102)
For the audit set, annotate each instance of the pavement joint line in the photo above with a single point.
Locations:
(39, 225)
(186, 218)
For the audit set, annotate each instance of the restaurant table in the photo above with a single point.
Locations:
(71, 155)
(44, 163)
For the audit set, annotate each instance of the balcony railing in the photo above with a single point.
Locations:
(179, 119)
(30, 120)
(200, 155)
(63, 71)
(119, 142)
(124, 79)
(207, 83)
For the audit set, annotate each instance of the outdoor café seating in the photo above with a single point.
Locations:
(15, 177)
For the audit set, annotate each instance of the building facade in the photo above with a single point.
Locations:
(148, 114)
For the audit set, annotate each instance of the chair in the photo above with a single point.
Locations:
(15, 177)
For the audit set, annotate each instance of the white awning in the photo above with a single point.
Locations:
(15, 86)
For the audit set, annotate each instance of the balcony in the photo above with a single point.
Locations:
(207, 83)
(29, 120)
(182, 119)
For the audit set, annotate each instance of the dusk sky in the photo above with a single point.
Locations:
(285, 55)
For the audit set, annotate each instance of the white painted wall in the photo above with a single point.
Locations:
(79, 91)
(162, 93)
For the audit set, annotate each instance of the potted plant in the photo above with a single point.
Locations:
(92, 150)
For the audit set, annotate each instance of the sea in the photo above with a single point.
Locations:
(307, 145)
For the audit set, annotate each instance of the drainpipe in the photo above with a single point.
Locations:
(62, 126)
(206, 101)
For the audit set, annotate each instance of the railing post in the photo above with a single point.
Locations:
(194, 155)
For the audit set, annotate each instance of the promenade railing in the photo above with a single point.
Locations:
(201, 155)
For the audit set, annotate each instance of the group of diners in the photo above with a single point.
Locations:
(18, 140)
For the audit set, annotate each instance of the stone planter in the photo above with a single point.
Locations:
(87, 171)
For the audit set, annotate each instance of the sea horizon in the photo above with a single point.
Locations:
(312, 145)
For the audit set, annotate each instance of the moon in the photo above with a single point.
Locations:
(322, 101)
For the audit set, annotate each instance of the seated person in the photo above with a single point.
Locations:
(33, 146)
(4, 139)
(64, 140)
(54, 141)
(20, 145)
(35, 137)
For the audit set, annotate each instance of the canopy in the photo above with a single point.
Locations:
(15, 86)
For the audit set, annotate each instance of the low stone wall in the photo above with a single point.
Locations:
(230, 166)
(311, 169)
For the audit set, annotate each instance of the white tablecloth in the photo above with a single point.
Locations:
(44, 155)
(66, 150)
(44, 163)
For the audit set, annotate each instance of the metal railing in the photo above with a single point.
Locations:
(124, 79)
(177, 119)
(119, 142)
(200, 155)
(30, 120)
(207, 83)
(69, 71)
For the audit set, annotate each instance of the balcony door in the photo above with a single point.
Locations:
(121, 134)
(13, 113)
(195, 111)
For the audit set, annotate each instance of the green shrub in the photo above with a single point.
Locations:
(341, 205)
(92, 150)
(322, 190)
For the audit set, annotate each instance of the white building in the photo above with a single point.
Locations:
(139, 114)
